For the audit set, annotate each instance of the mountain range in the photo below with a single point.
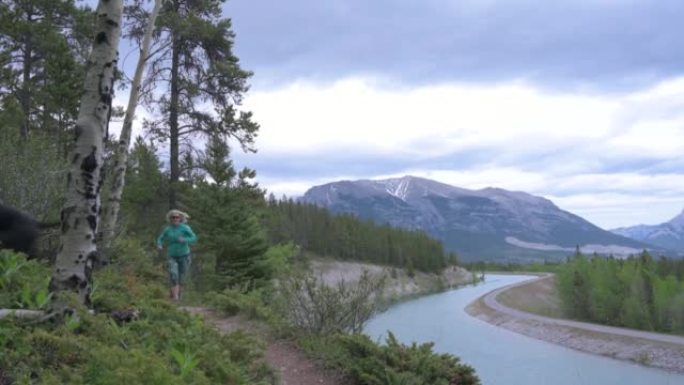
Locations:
(486, 224)
(668, 235)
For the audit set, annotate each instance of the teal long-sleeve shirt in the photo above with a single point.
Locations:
(178, 238)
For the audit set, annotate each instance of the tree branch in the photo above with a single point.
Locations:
(21, 313)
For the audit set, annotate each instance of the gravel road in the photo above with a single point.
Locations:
(646, 348)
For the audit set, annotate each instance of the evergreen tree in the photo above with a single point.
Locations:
(228, 218)
(143, 202)
(43, 46)
(198, 81)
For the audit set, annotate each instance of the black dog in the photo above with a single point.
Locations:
(18, 231)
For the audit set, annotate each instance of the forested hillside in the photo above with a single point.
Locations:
(347, 237)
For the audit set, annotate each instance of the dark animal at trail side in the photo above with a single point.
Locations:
(18, 231)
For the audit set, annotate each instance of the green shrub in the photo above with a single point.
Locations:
(312, 305)
(256, 305)
(23, 283)
(366, 363)
(164, 345)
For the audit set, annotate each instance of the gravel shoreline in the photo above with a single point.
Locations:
(642, 351)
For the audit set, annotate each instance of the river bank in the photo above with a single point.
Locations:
(649, 349)
(399, 285)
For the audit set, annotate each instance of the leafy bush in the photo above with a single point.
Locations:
(366, 363)
(312, 305)
(23, 283)
(253, 304)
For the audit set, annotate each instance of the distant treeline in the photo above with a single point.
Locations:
(638, 292)
(347, 237)
(539, 267)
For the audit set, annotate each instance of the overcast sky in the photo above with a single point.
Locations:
(578, 101)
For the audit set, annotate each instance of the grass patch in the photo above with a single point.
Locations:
(538, 297)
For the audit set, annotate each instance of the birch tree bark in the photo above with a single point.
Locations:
(111, 210)
(78, 249)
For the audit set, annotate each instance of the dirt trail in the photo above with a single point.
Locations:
(291, 364)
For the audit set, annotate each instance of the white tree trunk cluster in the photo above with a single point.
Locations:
(80, 214)
(111, 210)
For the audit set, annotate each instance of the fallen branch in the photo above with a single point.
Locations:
(21, 313)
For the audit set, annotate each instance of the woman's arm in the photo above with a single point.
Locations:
(161, 238)
(190, 236)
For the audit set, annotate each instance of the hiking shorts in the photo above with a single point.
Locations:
(178, 266)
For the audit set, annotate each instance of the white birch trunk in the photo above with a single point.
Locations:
(78, 250)
(111, 211)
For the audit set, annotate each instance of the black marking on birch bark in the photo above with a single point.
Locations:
(72, 282)
(101, 38)
(92, 222)
(91, 191)
(88, 292)
(93, 209)
(89, 164)
(65, 216)
(105, 99)
(112, 23)
(89, 195)
(88, 272)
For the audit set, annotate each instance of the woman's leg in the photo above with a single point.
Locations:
(183, 266)
(174, 276)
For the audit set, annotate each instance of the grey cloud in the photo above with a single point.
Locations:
(351, 162)
(607, 45)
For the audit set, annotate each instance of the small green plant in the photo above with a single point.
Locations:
(72, 322)
(10, 265)
(186, 360)
(35, 299)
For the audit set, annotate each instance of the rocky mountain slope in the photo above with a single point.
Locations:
(487, 224)
(668, 235)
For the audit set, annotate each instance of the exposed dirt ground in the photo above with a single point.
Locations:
(290, 363)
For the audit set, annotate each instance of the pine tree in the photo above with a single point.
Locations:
(42, 46)
(198, 80)
(143, 203)
(228, 212)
